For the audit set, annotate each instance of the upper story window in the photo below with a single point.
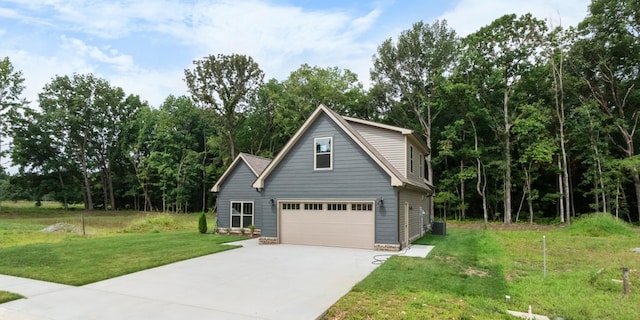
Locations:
(420, 165)
(323, 153)
(411, 159)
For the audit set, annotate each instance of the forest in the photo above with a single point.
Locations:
(527, 121)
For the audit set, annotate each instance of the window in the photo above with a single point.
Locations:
(241, 214)
(361, 207)
(411, 158)
(313, 206)
(425, 168)
(290, 206)
(323, 153)
(336, 206)
(420, 162)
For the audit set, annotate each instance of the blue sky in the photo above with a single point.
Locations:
(144, 46)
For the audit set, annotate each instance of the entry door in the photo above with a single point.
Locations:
(405, 241)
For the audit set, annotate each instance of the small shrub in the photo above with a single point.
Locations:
(202, 223)
(600, 225)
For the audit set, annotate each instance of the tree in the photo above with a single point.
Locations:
(11, 87)
(589, 130)
(225, 83)
(500, 55)
(558, 44)
(409, 71)
(536, 147)
(83, 116)
(608, 60)
(307, 87)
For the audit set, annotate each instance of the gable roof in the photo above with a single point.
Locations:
(397, 179)
(256, 165)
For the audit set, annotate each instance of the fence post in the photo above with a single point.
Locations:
(544, 254)
(625, 280)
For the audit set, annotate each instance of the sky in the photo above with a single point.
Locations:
(144, 46)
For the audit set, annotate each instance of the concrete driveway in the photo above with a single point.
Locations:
(253, 282)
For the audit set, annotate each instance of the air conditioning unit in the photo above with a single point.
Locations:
(439, 228)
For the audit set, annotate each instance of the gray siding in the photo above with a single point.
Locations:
(389, 143)
(354, 176)
(417, 201)
(238, 187)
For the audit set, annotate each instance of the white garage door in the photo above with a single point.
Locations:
(335, 224)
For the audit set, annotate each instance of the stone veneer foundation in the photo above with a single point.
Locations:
(386, 247)
(268, 240)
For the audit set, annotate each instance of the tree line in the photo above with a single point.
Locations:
(526, 120)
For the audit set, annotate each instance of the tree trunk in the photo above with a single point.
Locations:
(507, 162)
(65, 201)
(560, 189)
(636, 184)
(112, 198)
(565, 173)
(105, 188)
(481, 180)
(529, 195)
(558, 86)
(462, 203)
(86, 184)
(232, 145)
(204, 173)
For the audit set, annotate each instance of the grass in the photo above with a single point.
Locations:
(6, 296)
(116, 243)
(78, 261)
(470, 271)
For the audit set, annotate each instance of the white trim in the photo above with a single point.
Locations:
(241, 202)
(330, 152)
(241, 156)
(379, 125)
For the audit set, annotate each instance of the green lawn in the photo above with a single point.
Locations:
(8, 296)
(116, 243)
(470, 271)
(78, 260)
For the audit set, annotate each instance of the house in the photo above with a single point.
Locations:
(339, 181)
(238, 198)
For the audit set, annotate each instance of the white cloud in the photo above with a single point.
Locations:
(122, 62)
(470, 15)
(279, 38)
(152, 85)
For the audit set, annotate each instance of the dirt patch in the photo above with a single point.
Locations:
(61, 228)
(475, 272)
(444, 258)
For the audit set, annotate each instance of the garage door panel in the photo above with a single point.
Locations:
(345, 228)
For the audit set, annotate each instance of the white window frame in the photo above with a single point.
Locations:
(315, 153)
(242, 203)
